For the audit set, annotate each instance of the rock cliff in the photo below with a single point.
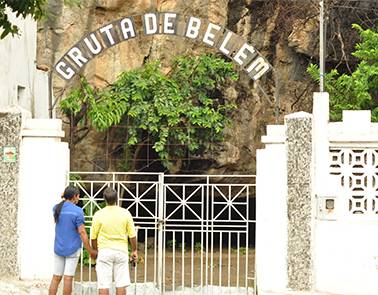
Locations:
(285, 32)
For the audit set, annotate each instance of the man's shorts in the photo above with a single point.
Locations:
(66, 265)
(107, 260)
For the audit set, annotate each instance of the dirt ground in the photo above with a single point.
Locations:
(182, 270)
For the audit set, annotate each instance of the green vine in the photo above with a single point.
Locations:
(182, 107)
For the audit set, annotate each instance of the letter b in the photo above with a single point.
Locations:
(192, 30)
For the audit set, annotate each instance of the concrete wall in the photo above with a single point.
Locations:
(335, 248)
(30, 184)
(21, 83)
(43, 176)
(10, 129)
(346, 238)
(346, 259)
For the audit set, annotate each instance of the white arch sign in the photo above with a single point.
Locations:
(167, 23)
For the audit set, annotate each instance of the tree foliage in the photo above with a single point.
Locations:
(359, 90)
(181, 107)
(34, 8)
(23, 8)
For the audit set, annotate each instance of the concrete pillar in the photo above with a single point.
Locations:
(321, 152)
(10, 140)
(44, 170)
(300, 209)
(271, 214)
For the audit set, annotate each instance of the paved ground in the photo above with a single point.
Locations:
(294, 293)
(13, 287)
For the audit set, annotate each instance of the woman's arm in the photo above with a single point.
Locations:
(84, 237)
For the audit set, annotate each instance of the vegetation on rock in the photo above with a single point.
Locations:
(181, 108)
(358, 90)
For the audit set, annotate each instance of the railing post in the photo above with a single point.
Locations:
(160, 231)
(206, 216)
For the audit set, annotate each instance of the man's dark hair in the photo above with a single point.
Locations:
(110, 196)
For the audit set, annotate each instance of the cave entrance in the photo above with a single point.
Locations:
(195, 232)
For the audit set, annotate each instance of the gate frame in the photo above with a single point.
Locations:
(161, 218)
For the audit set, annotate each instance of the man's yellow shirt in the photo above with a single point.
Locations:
(112, 226)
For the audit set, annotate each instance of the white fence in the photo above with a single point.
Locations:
(195, 232)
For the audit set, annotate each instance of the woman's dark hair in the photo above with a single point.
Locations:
(68, 194)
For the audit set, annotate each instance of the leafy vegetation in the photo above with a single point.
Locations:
(359, 90)
(34, 8)
(171, 243)
(23, 8)
(241, 250)
(181, 108)
(198, 247)
(181, 247)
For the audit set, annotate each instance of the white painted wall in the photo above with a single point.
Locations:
(271, 212)
(41, 95)
(44, 166)
(346, 257)
(346, 251)
(21, 83)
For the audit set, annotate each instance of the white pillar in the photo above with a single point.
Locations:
(321, 177)
(271, 212)
(321, 142)
(44, 167)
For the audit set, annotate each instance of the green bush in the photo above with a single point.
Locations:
(358, 90)
(181, 108)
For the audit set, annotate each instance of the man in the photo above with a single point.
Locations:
(69, 235)
(111, 228)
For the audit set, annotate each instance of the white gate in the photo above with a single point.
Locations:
(195, 232)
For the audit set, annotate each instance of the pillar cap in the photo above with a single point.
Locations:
(43, 128)
(298, 115)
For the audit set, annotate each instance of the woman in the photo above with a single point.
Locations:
(69, 235)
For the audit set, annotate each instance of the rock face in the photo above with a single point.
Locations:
(285, 32)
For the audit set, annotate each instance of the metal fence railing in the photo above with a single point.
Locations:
(196, 233)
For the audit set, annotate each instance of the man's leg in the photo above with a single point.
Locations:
(121, 291)
(103, 291)
(121, 272)
(67, 285)
(104, 270)
(54, 284)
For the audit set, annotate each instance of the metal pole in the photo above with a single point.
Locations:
(51, 106)
(160, 226)
(321, 46)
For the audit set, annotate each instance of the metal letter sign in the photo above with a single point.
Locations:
(166, 23)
